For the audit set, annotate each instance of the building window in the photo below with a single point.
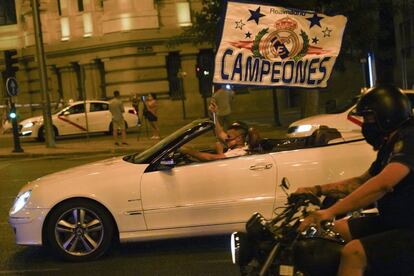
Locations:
(59, 8)
(65, 28)
(87, 24)
(7, 12)
(175, 82)
(80, 5)
(62, 7)
(183, 14)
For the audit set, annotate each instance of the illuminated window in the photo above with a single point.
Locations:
(183, 14)
(87, 24)
(65, 28)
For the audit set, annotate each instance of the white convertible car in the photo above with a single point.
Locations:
(160, 193)
(74, 120)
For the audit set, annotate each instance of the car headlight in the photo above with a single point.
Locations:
(301, 128)
(241, 251)
(20, 202)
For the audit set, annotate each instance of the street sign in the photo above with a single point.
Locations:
(12, 87)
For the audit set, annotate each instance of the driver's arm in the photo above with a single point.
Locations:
(338, 189)
(201, 156)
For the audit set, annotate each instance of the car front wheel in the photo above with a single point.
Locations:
(42, 133)
(79, 230)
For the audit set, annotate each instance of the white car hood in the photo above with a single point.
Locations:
(32, 119)
(321, 119)
(106, 177)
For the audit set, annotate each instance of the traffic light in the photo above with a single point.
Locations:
(11, 63)
(204, 71)
(12, 113)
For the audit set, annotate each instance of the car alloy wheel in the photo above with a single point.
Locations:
(80, 230)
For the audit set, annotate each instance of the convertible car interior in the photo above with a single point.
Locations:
(258, 145)
(320, 137)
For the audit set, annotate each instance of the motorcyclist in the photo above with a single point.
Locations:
(384, 242)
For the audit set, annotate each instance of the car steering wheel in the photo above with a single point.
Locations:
(180, 158)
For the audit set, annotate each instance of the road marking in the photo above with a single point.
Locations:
(28, 271)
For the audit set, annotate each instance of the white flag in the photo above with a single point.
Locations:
(264, 45)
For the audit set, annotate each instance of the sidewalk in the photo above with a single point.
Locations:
(137, 140)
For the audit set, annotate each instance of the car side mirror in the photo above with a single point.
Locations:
(166, 164)
(66, 113)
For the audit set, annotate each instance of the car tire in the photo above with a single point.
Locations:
(41, 133)
(79, 230)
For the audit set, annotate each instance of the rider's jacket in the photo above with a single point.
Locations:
(397, 207)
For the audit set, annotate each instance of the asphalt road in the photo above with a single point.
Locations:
(195, 256)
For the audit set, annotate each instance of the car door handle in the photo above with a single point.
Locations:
(261, 167)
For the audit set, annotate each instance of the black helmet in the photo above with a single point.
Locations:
(390, 106)
(317, 256)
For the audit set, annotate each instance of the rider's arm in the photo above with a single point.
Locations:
(343, 188)
(338, 189)
(366, 194)
(372, 190)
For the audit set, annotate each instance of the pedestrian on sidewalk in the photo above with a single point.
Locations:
(223, 98)
(150, 113)
(135, 105)
(116, 107)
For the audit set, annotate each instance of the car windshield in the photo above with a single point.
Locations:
(142, 157)
(345, 106)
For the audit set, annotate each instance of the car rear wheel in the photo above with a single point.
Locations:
(79, 230)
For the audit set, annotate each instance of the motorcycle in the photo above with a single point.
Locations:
(275, 247)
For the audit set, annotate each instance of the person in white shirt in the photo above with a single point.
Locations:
(234, 138)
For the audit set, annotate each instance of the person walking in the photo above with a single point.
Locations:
(116, 107)
(223, 98)
(135, 105)
(150, 113)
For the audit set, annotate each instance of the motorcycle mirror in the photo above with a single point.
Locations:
(285, 185)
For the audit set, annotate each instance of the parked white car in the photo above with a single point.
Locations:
(347, 124)
(72, 120)
(161, 193)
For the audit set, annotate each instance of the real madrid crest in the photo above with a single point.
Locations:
(282, 43)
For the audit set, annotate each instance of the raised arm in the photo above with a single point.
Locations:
(220, 133)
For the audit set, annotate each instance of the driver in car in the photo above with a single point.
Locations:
(384, 242)
(234, 139)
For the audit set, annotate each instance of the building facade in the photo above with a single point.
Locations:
(93, 47)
